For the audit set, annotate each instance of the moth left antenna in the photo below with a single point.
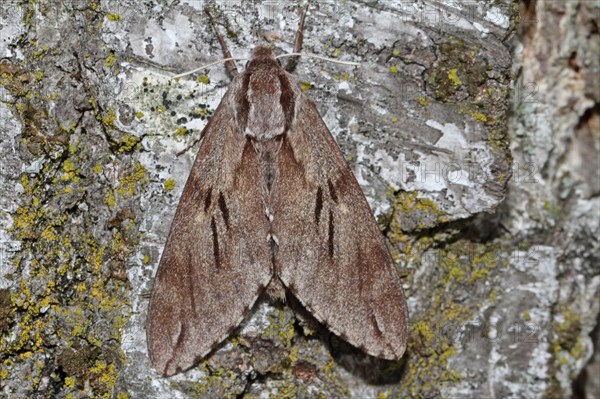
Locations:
(208, 66)
(229, 64)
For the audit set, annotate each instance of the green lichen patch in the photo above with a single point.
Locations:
(128, 142)
(76, 360)
(461, 267)
(565, 345)
(412, 213)
(458, 72)
(461, 76)
(6, 310)
(61, 322)
(69, 306)
(36, 134)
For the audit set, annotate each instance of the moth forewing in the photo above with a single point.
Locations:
(331, 254)
(271, 199)
(214, 265)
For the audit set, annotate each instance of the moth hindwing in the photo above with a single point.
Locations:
(270, 200)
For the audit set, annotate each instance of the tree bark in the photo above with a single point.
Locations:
(472, 127)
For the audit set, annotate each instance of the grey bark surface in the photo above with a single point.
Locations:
(473, 129)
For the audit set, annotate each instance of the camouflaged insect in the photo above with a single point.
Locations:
(271, 205)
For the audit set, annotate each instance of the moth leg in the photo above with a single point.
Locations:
(293, 61)
(230, 65)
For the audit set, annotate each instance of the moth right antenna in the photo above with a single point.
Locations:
(292, 62)
(311, 55)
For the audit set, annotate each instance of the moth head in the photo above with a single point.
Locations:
(262, 56)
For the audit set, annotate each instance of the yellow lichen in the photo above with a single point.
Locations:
(181, 131)
(453, 76)
(70, 382)
(169, 185)
(110, 118)
(68, 165)
(305, 86)
(127, 143)
(424, 330)
(110, 60)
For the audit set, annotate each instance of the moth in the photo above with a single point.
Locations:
(271, 206)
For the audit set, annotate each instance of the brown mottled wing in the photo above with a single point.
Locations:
(217, 258)
(332, 255)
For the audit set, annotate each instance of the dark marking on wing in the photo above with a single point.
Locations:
(378, 331)
(208, 199)
(332, 192)
(224, 210)
(180, 337)
(231, 329)
(213, 226)
(288, 152)
(292, 288)
(362, 265)
(246, 312)
(178, 343)
(195, 197)
(286, 100)
(190, 285)
(319, 205)
(330, 237)
(243, 105)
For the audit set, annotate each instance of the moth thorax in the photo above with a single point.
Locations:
(270, 102)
